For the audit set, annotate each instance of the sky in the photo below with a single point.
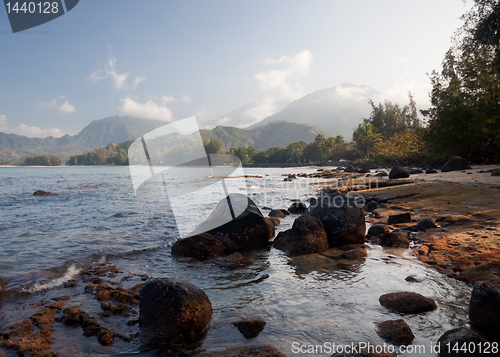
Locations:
(169, 60)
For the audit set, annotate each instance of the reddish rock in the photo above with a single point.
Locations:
(277, 213)
(395, 239)
(41, 193)
(201, 246)
(250, 328)
(353, 254)
(396, 332)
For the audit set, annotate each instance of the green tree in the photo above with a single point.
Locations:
(464, 118)
(365, 136)
(214, 146)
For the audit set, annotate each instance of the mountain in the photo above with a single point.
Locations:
(339, 109)
(248, 114)
(264, 137)
(100, 133)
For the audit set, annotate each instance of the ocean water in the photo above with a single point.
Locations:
(95, 216)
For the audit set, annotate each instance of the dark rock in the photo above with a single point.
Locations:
(364, 170)
(41, 193)
(248, 230)
(246, 351)
(484, 309)
(416, 171)
(412, 279)
(343, 218)
(119, 215)
(284, 211)
(455, 163)
(378, 229)
(426, 224)
(431, 171)
(353, 254)
(395, 239)
(201, 246)
(495, 172)
(274, 221)
(250, 328)
(1, 286)
(350, 168)
(171, 312)
(368, 353)
(312, 201)
(382, 174)
(297, 208)
(399, 172)
(371, 206)
(407, 302)
(276, 213)
(306, 236)
(399, 218)
(460, 337)
(396, 332)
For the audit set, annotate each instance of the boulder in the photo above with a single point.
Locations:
(378, 229)
(172, 312)
(407, 302)
(455, 163)
(297, 208)
(426, 224)
(276, 213)
(248, 230)
(274, 221)
(396, 332)
(495, 172)
(364, 170)
(399, 172)
(306, 236)
(245, 351)
(350, 168)
(399, 218)
(250, 328)
(201, 246)
(460, 337)
(394, 239)
(371, 206)
(484, 309)
(343, 218)
(431, 171)
(41, 193)
(353, 254)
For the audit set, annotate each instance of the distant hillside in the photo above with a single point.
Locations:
(101, 133)
(264, 137)
(98, 133)
(339, 109)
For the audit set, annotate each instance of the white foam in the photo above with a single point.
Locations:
(71, 273)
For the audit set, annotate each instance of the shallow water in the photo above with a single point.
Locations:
(308, 300)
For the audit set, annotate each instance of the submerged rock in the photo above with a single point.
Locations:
(245, 351)
(396, 332)
(250, 328)
(248, 230)
(306, 236)
(399, 172)
(460, 337)
(41, 193)
(353, 254)
(495, 172)
(455, 163)
(201, 246)
(297, 208)
(426, 224)
(172, 311)
(343, 218)
(484, 309)
(394, 239)
(407, 302)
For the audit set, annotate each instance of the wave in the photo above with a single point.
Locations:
(70, 274)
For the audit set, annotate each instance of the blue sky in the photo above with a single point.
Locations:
(169, 60)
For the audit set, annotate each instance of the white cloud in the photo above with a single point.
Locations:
(66, 107)
(187, 98)
(109, 71)
(148, 110)
(63, 107)
(399, 94)
(30, 131)
(36, 132)
(167, 99)
(139, 80)
(203, 113)
(263, 109)
(286, 79)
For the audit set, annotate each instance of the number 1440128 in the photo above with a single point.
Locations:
(33, 7)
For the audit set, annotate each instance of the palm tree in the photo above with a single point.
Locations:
(365, 136)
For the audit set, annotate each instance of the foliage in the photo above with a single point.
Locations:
(407, 147)
(365, 137)
(214, 146)
(245, 154)
(43, 160)
(465, 115)
(113, 154)
(390, 119)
